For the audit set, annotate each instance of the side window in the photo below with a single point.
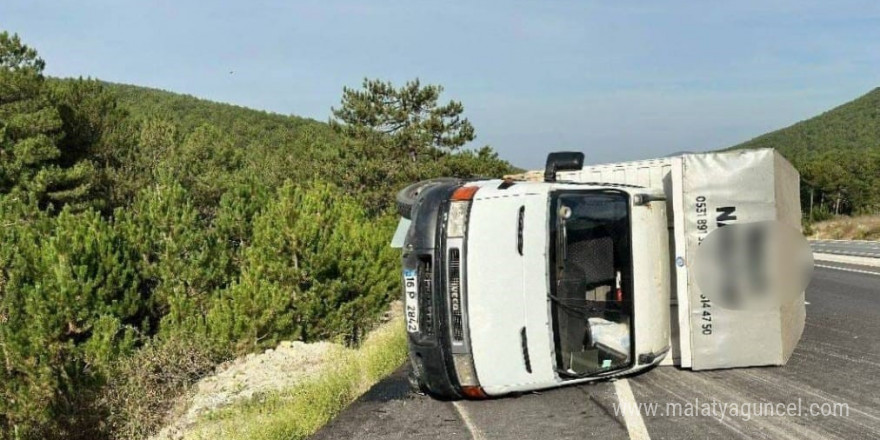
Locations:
(591, 302)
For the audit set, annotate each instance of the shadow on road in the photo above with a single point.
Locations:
(394, 387)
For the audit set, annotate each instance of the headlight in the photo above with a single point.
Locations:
(456, 224)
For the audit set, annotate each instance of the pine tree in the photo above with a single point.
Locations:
(96, 131)
(69, 306)
(318, 267)
(410, 116)
(30, 130)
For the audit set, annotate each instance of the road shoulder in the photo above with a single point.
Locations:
(389, 410)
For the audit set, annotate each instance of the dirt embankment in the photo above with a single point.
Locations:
(274, 370)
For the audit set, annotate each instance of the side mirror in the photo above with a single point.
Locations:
(562, 161)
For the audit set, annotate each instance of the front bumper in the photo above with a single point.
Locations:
(430, 349)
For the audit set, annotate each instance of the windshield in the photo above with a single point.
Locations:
(591, 297)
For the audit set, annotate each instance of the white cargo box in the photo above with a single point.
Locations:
(739, 186)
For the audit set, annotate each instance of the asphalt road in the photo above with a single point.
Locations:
(842, 247)
(836, 362)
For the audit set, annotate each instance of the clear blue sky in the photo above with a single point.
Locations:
(617, 80)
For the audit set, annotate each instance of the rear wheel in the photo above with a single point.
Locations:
(406, 198)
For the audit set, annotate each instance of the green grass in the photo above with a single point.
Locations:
(298, 412)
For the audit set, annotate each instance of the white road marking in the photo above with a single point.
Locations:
(847, 241)
(806, 303)
(837, 258)
(846, 269)
(476, 433)
(635, 425)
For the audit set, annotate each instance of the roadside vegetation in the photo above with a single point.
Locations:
(865, 227)
(147, 236)
(298, 412)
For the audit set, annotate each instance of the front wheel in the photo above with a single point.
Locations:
(406, 198)
(415, 384)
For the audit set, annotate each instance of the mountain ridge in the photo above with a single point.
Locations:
(837, 153)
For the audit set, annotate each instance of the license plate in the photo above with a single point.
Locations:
(411, 291)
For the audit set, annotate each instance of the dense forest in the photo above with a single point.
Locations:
(838, 156)
(146, 236)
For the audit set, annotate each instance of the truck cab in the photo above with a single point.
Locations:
(515, 286)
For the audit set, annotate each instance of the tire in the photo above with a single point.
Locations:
(407, 197)
(415, 384)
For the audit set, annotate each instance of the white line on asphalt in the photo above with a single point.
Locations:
(476, 433)
(806, 303)
(837, 258)
(846, 269)
(845, 241)
(635, 425)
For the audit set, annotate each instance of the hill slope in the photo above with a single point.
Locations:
(851, 126)
(148, 235)
(188, 112)
(282, 147)
(837, 154)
